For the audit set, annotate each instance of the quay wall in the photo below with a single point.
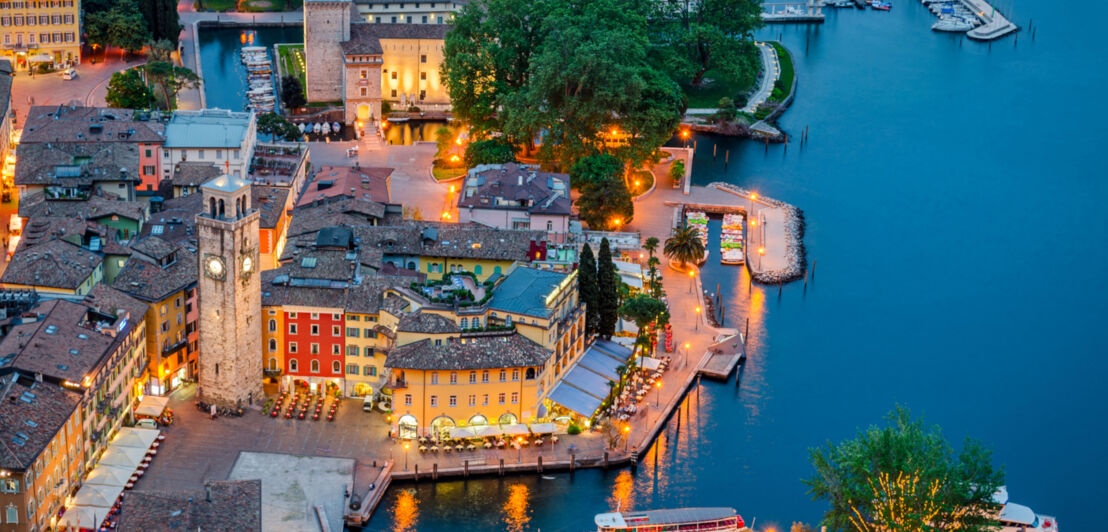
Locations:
(797, 260)
(253, 22)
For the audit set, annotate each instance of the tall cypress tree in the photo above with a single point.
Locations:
(607, 282)
(588, 291)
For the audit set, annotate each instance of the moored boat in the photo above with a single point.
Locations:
(1019, 518)
(699, 220)
(699, 519)
(953, 24)
(732, 248)
(881, 6)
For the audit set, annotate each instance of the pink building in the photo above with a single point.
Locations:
(372, 184)
(515, 196)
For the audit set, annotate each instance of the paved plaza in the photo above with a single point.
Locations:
(294, 486)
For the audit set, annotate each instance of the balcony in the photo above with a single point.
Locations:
(399, 385)
(174, 347)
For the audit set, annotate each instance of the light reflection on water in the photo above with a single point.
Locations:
(516, 511)
(405, 511)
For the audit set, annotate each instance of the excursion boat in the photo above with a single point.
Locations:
(699, 220)
(1019, 518)
(698, 519)
(732, 248)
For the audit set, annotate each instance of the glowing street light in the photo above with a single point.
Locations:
(692, 274)
(406, 445)
(658, 400)
(686, 354)
(519, 448)
(617, 222)
(626, 436)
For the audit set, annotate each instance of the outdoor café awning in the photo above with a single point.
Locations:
(123, 457)
(151, 406)
(87, 517)
(97, 495)
(132, 437)
(106, 475)
(586, 384)
(484, 431)
(515, 429)
(40, 58)
(542, 428)
(459, 433)
(649, 363)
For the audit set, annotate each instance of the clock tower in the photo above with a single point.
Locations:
(230, 294)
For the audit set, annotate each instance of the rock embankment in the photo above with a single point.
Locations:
(796, 258)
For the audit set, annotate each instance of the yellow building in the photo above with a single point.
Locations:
(55, 266)
(39, 32)
(468, 379)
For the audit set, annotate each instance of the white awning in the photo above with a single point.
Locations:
(484, 431)
(106, 475)
(40, 58)
(459, 433)
(543, 428)
(649, 363)
(97, 495)
(515, 429)
(88, 517)
(123, 457)
(151, 406)
(133, 437)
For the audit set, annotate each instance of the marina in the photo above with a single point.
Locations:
(261, 97)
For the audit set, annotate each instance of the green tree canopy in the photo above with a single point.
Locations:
(607, 283)
(490, 151)
(905, 477)
(162, 19)
(684, 245)
(606, 205)
(171, 79)
(594, 169)
(277, 126)
(292, 92)
(128, 90)
(642, 309)
(122, 26)
(708, 35)
(587, 290)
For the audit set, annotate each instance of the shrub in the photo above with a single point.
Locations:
(573, 429)
(491, 151)
(677, 171)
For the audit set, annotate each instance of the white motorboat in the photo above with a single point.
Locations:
(1019, 518)
(952, 24)
(700, 519)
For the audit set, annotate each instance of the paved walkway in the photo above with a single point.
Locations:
(771, 71)
(90, 87)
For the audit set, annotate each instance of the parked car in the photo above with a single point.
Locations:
(146, 423)
(69, 73)
(367, 403)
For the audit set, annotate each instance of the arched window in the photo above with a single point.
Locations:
(411, 265)
(315, 366)
(407, 427)
(272, 325)
(222, 209)
(503, 375)
(477, 269)
(211, 204)
(476, 322)
(465, 323)
(273, 363)
(529, 374)
(272, 344)
(336, 367)
(293, 366)
(441, 426)
(496, 270)
(508, 320)
(507, 419)
(478, 420)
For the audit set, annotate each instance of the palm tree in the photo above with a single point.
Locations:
(651, 245)
(685, 246)
(655, 288)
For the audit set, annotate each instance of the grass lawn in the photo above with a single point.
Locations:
(640, 182)
(291, 57)
(785, 82)
(215, 5)
(442, 173)
(258, 6)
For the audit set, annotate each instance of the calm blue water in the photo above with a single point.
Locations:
(224, 74)
(953, 204)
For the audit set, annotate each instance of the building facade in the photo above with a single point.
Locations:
(221, 137)
(230, 372)
(41, 32)
(515, 196)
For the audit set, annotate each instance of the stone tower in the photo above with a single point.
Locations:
(326, 27)
(230, 294)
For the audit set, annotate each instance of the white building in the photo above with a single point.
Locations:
(221, 137)
(515, 196)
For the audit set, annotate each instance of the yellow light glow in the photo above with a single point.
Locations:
(626, 428)
(761, 251)
(753, 196)
(453, 159)
(615, 131)
(405, 446)
(692, 273)
(637, 183)
(658, 384)
(686, 345)
(452, 186)
(458, 141)
(698, 310)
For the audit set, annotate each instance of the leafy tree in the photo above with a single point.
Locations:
(606, 204)
(905, 477)
(684, 245)
(727, 111)
(607, 283)
(275, 126)
(292, 93)
(160, 50)
(655, 286)
(171, 79)
(128, 90)
(162, 19)
(677, 171)
(709, 35)
(587, 289)
(444, 139)
(594, 169)
(121, 26)
(642, 309)
(651, 245)
(490, 151)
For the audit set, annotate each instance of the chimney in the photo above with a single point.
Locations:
(208, 493)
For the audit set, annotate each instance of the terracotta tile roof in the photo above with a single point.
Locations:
(516, 187)
(52, 264)
(366, 183)
(44, 228)
(222, 506)
(314, 216)
(270, 202)
(425, 322)
(176, 225)
(76, 164)
(194, 173)
(89, 125)
(153, 247)
(6, 79)
(148, 281)
(366, 38)
(31, 414)
(108, 301)
(511, 350)
(63, 343)
(93, 208)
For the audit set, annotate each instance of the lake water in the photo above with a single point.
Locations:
(954, 196)
(224, 74)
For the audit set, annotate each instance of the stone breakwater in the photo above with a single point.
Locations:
(796, 257)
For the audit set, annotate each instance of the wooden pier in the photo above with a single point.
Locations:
(723, 357)
(371, 499)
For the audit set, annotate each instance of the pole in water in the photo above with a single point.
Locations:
(714, 146)
(722, 312)
(746, 337)
(726, 156)
(814, 269)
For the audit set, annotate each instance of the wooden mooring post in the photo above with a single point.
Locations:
(501, 467)
(714, 146)
(746, 336)
(465, 471)
(605, 459)
(540, 464)
(416, 477)
(435, 471)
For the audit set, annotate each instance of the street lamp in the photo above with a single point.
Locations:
(406, 445)
(626, 436)
(686, 354)
(761, 253)
(519, 448)
(698, 315)
(658, 400)
(685, 137)
(692, 274)
(617, 221)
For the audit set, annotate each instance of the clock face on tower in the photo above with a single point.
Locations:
(247, 264)
(214, 267)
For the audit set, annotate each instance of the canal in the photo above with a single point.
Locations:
(953, 193)
(224, 74)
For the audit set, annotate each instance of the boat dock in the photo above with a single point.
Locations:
(995, 24)
(723, 357)
(793, 11)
